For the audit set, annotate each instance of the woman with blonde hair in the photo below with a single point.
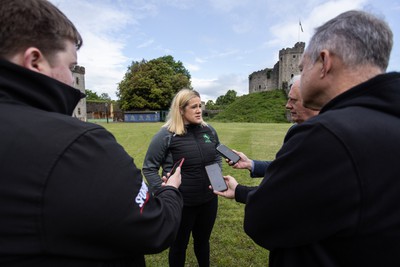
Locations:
(186, 135)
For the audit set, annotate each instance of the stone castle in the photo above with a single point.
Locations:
(279, 76)
(79, 83)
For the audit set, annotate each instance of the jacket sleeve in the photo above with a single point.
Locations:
(242, 192)
(96, 203)
(157, 156)
(218, 158)
(260, 168)
(304, 197)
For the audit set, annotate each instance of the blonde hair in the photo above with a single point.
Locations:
(175, 122)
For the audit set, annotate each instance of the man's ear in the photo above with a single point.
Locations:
(34, 60)
(326, 61)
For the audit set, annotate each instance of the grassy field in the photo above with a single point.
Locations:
(230, 246)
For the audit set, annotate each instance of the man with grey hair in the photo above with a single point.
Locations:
(298, 112)
(331, 197)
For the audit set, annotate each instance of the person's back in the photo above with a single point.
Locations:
(351, 210)
(69, 194)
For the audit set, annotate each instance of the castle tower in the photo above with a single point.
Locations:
(79, 83)
(289, 60)
(278, 77)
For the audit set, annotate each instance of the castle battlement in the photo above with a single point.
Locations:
(79, 69)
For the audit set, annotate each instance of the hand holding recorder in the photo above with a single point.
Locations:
(236, 159)
(228, 153)
(230, 192)
(243, 163)
(216, 179)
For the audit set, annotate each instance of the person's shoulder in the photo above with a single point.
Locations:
(62, 123)
(81, 125)
(163, 131)
(88, 129)
(310, 126)
(163, 135)
(207, 125)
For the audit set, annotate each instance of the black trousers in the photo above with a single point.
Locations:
(198, 220)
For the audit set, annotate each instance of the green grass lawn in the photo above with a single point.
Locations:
(230, 246)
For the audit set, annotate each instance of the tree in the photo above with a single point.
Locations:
(226, 99)
(210, 104)
(90, 95)
(105, 96)
(152, 84)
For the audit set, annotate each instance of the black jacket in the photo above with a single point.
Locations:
(332, 196)
(69, 194)
(197, 146)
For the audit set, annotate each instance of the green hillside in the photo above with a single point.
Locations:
(265, 107)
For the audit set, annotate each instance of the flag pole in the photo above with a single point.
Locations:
(298, 32)
(300, 28)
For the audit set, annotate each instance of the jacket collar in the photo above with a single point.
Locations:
(20, 85)
(380, 92)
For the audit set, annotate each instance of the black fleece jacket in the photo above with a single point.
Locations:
(69, 193)
(332, 195)
(197, 146)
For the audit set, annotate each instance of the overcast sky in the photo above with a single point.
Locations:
(220, 42)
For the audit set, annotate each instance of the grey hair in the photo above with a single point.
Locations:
(293, 80)
(357, 37)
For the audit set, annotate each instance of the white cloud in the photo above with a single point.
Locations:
(210, 89)
(322, 13)
(192, 67)
(102, 69)
(287, 30)
(102, 55)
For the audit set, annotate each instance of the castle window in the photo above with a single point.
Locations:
(294, 56)
(79, 111)
(77, 81)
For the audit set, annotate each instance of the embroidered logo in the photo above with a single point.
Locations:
(207, 138)
(143, 196)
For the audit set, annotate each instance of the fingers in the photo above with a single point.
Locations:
(230, 163)
(175, 179)
(219, 193)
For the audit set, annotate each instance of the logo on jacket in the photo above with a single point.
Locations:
(207, 138)
(143, 196)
